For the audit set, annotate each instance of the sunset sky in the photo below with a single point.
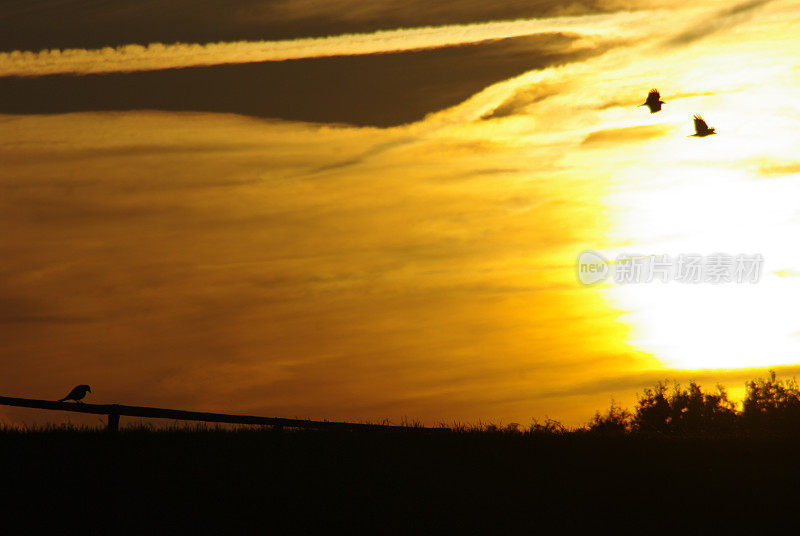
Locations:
(367, 210)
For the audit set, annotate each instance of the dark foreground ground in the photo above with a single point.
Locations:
(281, 482)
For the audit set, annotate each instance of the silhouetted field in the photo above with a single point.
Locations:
(683, 461)
(239, 482)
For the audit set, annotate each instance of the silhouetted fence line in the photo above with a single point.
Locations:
(115, 411)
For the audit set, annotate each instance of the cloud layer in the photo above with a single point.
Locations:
(156, 56)
(77, 24)
(381, 90)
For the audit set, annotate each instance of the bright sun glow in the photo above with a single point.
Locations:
(703, 196)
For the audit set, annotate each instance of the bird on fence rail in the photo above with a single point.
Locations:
(77, 393)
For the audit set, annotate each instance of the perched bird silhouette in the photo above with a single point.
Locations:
(77, 393)
(701, 129)
(653, 101)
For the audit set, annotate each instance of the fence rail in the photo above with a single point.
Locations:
(115, 411)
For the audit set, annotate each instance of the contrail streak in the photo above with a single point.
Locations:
(156, 56)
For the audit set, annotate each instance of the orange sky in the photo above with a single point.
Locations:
(387, 236)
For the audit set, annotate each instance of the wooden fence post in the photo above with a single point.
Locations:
(113, 422)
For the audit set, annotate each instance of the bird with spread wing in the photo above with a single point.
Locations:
(701, 129)
(653, 101)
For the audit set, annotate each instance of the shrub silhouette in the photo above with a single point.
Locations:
(653, 411)
(616, 421)
(771, 405)
(684, 411)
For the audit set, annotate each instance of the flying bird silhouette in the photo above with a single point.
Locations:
(653, 101)
(701, 129)
(77, 393)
